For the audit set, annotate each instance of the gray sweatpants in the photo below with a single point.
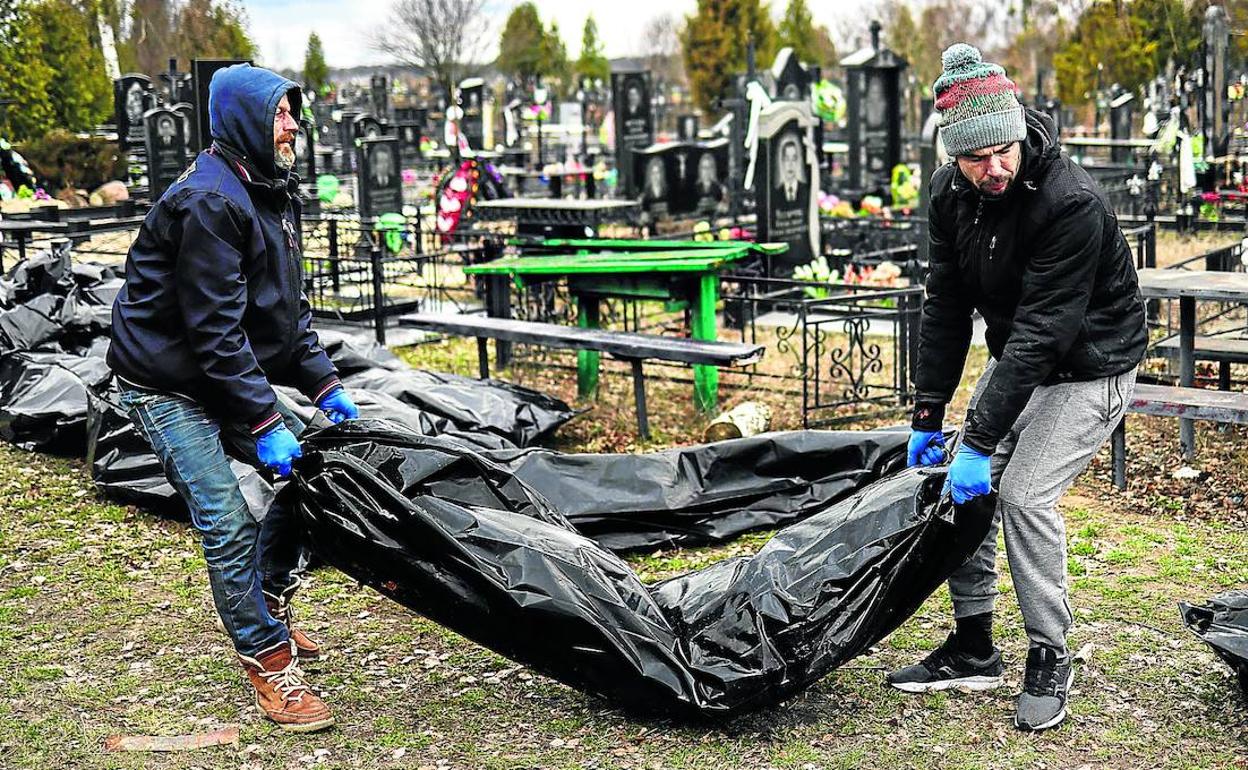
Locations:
(1052, 441)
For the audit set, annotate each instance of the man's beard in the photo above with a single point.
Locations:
(284, 156)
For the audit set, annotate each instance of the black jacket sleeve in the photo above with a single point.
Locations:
(1057, 287)
(212, 296)
(945, 326)
(315, 374)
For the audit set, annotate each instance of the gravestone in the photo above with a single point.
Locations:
(472, 101)
(132, 97)
(378, 176)
(323, 114)
(687, 127)
(1121, 114)
(650, 169)
(202, 71)
(409, 134)
(379, 95)
(166, 149)
(634, 124)
(186, 111)
(874, 115)
(367, 126)
(682, 171)
(305, 151)
(710, 194)
(786, 178)
(790, 77)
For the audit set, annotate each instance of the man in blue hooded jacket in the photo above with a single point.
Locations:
(210, 317)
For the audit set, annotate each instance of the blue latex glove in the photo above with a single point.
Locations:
(970, 475)
(925, 448)
(278, 448)
(338, 406)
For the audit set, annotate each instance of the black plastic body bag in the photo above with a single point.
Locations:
(1222, 622)
(460, 539)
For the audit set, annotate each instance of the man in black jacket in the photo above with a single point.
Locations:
(1026, 237)
(211, 315)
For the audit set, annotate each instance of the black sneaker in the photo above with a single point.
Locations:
(1042, 704)
(948, 667)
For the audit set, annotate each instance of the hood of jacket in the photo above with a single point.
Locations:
(242, 101)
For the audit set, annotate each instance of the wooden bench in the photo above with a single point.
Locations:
(1168, 401)
(1224, 350)
(628, 346)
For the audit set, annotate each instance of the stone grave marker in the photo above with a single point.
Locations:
(786, 177)
(378, 175)
(634, 125)
(166, 149)
(132, 98)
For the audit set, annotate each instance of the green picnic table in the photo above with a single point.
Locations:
(681, 276)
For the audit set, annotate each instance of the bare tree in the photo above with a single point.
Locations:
(443, 37)
(660, 47)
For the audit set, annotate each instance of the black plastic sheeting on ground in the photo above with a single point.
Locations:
(460, 539)
(54, 321)
(706, 494)
(1222, 622)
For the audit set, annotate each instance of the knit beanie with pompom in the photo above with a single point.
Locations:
(976, 101)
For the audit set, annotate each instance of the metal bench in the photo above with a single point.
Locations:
(628, 346)
(1224, 350)
(1168, 401)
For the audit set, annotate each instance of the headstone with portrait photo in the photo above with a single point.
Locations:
(132, 97)
(634, 125)
(409, 134)
(687, 127)
(378, 176)
(786, 179)
(650, 169)
(202, 71)
(709, 193)
(166, 149)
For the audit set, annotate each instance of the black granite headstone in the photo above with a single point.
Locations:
(186, 111)
(132, 97)
(650, 169)
(378, 176)
(791, 78)
(166, 149)
(472, 101)
(786, 178)
(379, 93)
(409, 134)
(202, 71)
(367, 126)
(710, 195)
(634, 124)
(687, 127)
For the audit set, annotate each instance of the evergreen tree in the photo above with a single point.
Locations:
(80, 92)
(520, 48)
(25, 78)
(554, 59)
(797, 31)
(592, 62)
(715, 42)
(315, 70)
(212, 30)
(1116, 39)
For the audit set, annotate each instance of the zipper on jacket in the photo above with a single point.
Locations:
(992, 245)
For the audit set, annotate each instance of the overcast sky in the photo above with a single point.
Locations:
(281, 27)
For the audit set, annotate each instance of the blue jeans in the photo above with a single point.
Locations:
(245, 556)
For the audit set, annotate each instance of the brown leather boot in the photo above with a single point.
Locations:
(279, 607)
(281, 692)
